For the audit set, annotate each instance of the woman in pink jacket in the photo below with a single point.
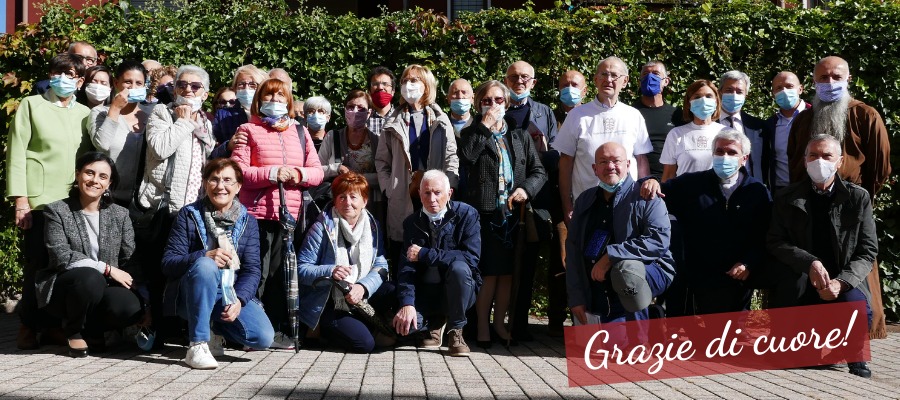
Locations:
(273, 153)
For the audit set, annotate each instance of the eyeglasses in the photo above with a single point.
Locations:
(487, 101)
(90, 61)
(520, 78)
(609, 75)
(411, 79)
(376, 85)
(69, 74)
(617, 163)
(214, 182)
(195, 86)
(247, 84)
(229, 103)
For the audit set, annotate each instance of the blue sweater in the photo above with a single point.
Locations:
(187, 243)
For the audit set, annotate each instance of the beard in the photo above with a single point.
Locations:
(830, 118)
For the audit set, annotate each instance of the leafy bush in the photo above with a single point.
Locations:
(328, 55)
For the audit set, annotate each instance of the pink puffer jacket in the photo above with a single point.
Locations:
(267, 150)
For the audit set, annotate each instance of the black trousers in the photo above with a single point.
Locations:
(87, 304)
(35, 258)
(271, 289)
(149, 246)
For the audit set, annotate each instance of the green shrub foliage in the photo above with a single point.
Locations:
(329, 55)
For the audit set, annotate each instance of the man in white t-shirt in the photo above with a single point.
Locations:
(590, 125)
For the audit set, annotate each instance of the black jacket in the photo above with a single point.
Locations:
(478, 153)
(854, 239)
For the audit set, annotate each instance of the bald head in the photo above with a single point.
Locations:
(831, 69)
(611, 164)
(609, 149)
(786, 80)
(280, 74)
(572, 78)
(150, 65)
(520, 80)
(520, 67)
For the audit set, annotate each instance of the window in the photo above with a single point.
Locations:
(457, 6)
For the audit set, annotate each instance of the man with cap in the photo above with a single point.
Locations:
(617, 251)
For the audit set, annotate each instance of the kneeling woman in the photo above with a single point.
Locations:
(86, 284)
(212, 265)
(346, 245)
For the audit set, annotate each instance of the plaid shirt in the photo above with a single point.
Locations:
(376, 122)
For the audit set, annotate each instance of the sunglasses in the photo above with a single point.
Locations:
(487, 101)
(229, 103)
(195, 86)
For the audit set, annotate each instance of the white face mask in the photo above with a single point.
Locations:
(97, 93)
(194, 102)
(411, 91)
(821, 170)
(485, 109)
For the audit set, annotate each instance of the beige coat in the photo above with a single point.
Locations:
(392, 162)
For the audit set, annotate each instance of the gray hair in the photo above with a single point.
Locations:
(654, 63)
(824, 138)
(315, 103)
(193, 70)
(483, 89)
(732, 135)
(275, 72)
(616, 59)
(735, 75)
(435, 174)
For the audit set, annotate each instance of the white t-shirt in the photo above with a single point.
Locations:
(589, 126)
(690, 147)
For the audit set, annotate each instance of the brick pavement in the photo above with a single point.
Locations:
(533, 370)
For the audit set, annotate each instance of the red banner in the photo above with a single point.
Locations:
(717, 344)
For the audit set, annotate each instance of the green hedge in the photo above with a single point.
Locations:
(328, 55)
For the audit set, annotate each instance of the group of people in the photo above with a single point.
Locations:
(431, 220)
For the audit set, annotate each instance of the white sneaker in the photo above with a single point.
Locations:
(199, 357)
(282, 342)
(216, 345)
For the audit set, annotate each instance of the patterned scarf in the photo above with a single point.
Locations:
(505, 173)
(279, 124)
(220, 225)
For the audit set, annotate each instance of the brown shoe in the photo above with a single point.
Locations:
(434, 338)
(458, 346)
(27, 338)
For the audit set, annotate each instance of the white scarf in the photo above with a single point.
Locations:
(353, 247)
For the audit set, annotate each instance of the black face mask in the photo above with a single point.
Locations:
(163, 96)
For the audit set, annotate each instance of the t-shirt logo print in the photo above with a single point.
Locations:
(609, 125)
(701, 142)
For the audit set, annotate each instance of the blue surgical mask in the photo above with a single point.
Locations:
(435, 217)
(611, 188)
(570, 96)
(519, 97)
(62, 85)
(787, 99)
(732, 102)
(703, 107)
(830, 92)
(460, 106)
(651, 85)
(273, 109)
(137, 95)
(245, 96)
(725, 166)
(316, 121)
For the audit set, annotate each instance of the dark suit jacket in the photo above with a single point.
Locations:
(542, 118)
(67, 242)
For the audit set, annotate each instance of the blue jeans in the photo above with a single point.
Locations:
(451, 298)
(200, 301)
